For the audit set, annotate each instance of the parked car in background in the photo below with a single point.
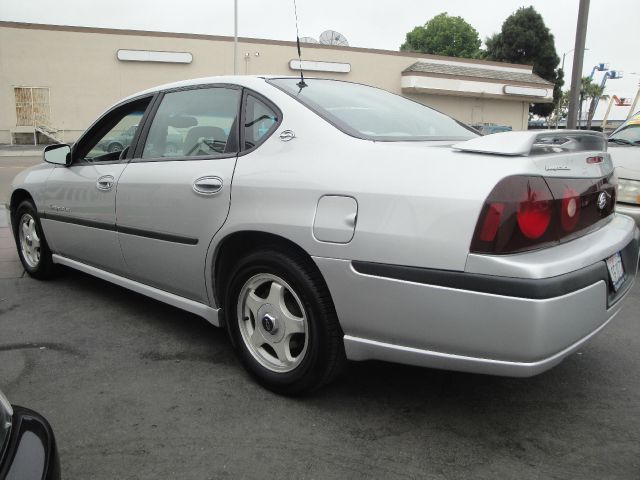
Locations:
(489, 128)
(624, 146)
(320, 220)
(27, 445)
(122, 140)
(118, 142)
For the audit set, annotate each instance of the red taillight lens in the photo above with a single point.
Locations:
(491, 222)
(534, 215)
(524, 213)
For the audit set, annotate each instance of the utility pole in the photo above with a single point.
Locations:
(578, 57)
(560, 99)
(235, 37)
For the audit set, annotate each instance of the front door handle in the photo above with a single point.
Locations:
(105, 183)
(207, 185)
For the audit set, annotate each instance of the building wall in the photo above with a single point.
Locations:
(84, 76)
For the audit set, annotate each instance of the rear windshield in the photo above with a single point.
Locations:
(372, 113)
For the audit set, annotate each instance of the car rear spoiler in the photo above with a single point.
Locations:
(535, 142)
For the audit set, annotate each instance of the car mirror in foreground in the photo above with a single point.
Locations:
(57, 154)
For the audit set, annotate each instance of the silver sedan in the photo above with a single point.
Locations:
(319, 221)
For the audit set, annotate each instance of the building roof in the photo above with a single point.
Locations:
(199, 36)
(477, 72)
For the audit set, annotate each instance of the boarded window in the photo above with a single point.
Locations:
(32, 106)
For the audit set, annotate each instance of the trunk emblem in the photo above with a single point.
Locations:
(287, 135)
(602, 200)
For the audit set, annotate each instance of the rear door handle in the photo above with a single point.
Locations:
(105, 183)
(207, 185)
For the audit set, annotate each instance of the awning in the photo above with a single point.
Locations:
(493, 81)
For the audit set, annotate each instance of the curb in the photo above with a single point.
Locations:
(20, 153)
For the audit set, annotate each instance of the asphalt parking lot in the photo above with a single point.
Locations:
(135, 389)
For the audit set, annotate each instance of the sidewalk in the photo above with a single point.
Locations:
(21, 150)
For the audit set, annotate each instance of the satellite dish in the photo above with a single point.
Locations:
(308, 40)
(331, 37)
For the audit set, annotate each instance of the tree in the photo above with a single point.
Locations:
(588, 91)
(525, 39)
(594, 92)
(444, 35)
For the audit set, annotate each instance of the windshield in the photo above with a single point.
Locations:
(627, 134)
(373, 114)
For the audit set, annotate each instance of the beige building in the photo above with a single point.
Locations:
(56, 80)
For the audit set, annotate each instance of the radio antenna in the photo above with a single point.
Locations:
(301, 83)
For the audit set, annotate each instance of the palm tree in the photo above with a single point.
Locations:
(594, 92)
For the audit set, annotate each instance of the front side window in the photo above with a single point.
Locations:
(112, 135)
(116, 139)
(192, 123)
(259, 119)
(373, 114)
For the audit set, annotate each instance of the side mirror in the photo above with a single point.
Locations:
(57, 154)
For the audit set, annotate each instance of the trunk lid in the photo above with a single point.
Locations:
(555, 153)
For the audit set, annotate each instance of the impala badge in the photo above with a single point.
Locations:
(58, 208)
(287, 135)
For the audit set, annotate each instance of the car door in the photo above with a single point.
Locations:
(175, 193)
(80, 199)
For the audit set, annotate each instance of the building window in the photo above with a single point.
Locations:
(32, 106)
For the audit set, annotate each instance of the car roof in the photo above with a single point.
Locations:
(242, 80)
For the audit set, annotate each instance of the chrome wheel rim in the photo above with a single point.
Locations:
(29, 240)
(272, 322)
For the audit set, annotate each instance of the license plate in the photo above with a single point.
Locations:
(616, 270)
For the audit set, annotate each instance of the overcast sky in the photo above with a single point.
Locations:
(612, 35)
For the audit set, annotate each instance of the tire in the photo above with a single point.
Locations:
(32, 246)
(114, 147)
(282, 322)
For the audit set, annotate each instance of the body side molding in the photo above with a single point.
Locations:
(167, 237)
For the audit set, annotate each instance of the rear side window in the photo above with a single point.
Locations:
(372, 113)
(259, 121)
(193, 123)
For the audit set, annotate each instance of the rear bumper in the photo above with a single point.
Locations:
(480, 325)
(363, 349)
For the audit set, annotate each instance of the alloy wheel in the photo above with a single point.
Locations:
(29, 240)
(272, 322)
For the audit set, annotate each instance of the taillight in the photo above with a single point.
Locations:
(526, 213)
